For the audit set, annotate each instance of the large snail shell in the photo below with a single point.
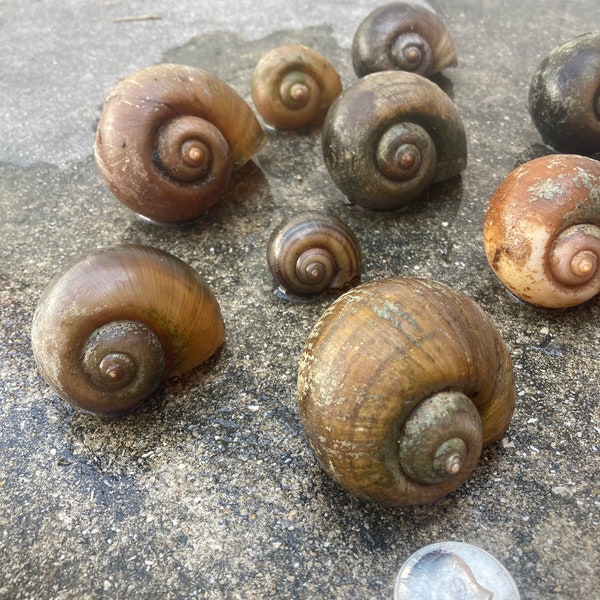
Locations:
(564, 96)
(400, 383)
(293, 86)
(389, 136)
(542, 230)
(401, 36)
(115, 322)
(168, 138)
(312, 252)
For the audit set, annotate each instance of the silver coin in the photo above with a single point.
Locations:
(454, 571)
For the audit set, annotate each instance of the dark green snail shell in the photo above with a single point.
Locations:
(564, 96)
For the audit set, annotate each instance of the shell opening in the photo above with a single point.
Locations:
(441, 439)
(123, 360)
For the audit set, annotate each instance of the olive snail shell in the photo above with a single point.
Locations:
(402, 36)
(400, 383)
(168, 139)
(389, 136)
(312, 252)
(542, 230)
(564, 96)
(293, 86)
(116, 321)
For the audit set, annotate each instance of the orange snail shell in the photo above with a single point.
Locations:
(293, 87)
(542, 230)
(168, 139)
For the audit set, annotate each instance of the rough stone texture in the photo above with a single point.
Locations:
(210, 491)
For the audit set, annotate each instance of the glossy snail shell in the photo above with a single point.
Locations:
(389, 136)
(116, 321)
(400, 383)
(312, 252)
(293, 87)
(564, 96)
(402, 36)
(542, 230)
(168, 139)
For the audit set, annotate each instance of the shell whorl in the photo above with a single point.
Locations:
(166, 142)
(136, 293)
(542, 230)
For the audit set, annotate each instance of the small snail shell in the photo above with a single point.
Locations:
(168, 139)
(401, 36)
(542, 230)
(389, 136)
(293, 86)
(564, 96)
(312, 252)
(116, 321)
(400, 383)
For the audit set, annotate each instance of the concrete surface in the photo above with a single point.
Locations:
(210, 490)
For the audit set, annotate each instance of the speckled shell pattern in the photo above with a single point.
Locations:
(534, 204)
(376, 353)
(132, 283)
(134, 112)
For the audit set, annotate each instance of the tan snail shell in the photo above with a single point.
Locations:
(115, 322)
(312, 252)
(168, 139)
(564, 96)
(542, 230)
(293, 86)
(400, 383)
(389, 136)
(402, 36)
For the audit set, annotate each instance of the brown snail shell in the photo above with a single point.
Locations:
(293, 86)
(312, 252)
(389, 136)
(168, 139)
(400, 383)
(115, 322)
(542, 230)
(402, 36)
(564, 96)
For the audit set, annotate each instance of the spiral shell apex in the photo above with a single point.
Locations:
(115, 322)
(542, 230)
(168, 139)
(400, 384)
(293, 87)
(402, 36)
(389, 136)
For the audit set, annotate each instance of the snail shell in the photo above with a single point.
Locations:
(400, 383)
(564, 96)
(168, 139)
(116, 321)
(542, 230)
(401, 36)
(389, 136)
(293, 86)
(312, 252)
